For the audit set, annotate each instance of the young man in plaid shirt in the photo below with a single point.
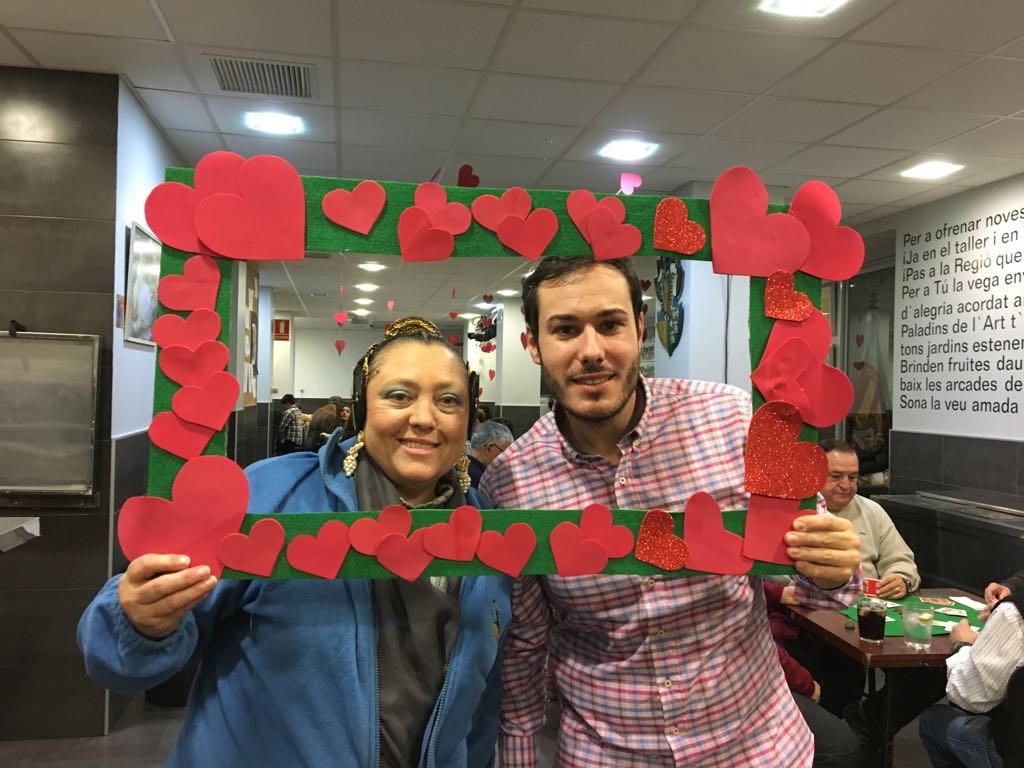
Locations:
(651, 670)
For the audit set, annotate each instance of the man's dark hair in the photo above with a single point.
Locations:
(288, 400)
(557, 267)
(834, 444)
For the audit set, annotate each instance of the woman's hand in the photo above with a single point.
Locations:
(158, 590)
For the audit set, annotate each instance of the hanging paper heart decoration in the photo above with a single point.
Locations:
(629, 182)
(673, 229)
(391, 304)
(776, 463)
(431, 198)
(523, 339)
(792, 373)
(508, 552)
(597, 525)
(453, 314)
(713, 549)
(574, 556)
(321, 555)
(859, 365)
(782, 301)
(341, 289)
(467, 178)
(341, 318)
(187, 366)
(489, 210)
(582, 202)
(453, 340)
(768, 521)
(491, 374)
(266, 219)
(479, 391)
(458, 538)
(195, 288)
(453, 293)
(357, 210)
(177, 436)
(419, 241)
(403, 556)
(745, 238)
(836, 253)
(645, 284)
(610, 240)
(488, 298)
(859, 339)
(366, 533)
(339, 345)
(529, 237)
(658, 545)
(173, 330)
(255, 552)
(208, 404)
(208, 501)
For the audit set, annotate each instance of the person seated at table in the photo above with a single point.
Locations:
(330, 672)
(324, 421)
(488, 441)
(982, 723)
(997, 591)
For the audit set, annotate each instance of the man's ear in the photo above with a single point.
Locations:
(531, 345)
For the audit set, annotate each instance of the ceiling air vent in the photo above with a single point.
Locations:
(266, 78)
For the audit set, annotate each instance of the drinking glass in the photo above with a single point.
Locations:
(917, 627)
(871, 619)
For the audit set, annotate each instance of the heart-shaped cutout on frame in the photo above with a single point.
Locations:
(673, 229)
(175, 435)
(195, 288)
(432, 199)
(366, 532)
(582, 202)
(782, 301)
(597, 524)
(835, 253)
(530, 236)
(609, 239)
(573, 556)
(657, 544)
(173, 330)
(713, 549)
(255, 552)
(490, 210)
(777, 463)
(768, 521)
(419, 241)
(321, 555)
(403, 556)
(193, 366)
(508, 552)
(357, 210)
(458, 538)
(208, 404)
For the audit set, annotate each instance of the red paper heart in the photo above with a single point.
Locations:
(836, 253)
(453, 218)
(453, 315)
(174, 330)
(208, 501)
(792, 373)
(479, 391)
(266, 219)
(490, 210)
(390, 304)
(673, 229)
(467, 178)
(195, 288)
(341, 318)
(574, 556)
(745, 239)
(815, 331)
(776, 463)
(418, 241)
(491, 374)
(453, 340)
(339, 345)
(488, 298)
(209, 404)
(457, 539)
(170, 208)
(187, 366)
(367, 532)
(859, 365)
(610, 240)
(256, 552)
(713, 549)
(645, 284)
(768, 521)
(597, 525)
(523, 339)
(403, 556)
(859, 339)
(658, 545)
(177, 436)
(508, 552)
(582, 202)
(782, 302)
(529, 237)
(357, 210)
(321, 555)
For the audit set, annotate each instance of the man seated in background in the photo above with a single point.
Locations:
(291, 432)
(489, 439)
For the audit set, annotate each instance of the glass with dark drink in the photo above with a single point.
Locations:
(871, 619)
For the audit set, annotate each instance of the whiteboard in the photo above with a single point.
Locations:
(48, 387)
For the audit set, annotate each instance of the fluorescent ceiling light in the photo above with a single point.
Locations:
(363, 301)
(627, 149)
(372, 266)
(367, 287)
(933, 169)
(800, 8)
(361, 312)
(645, 297)
(277, 123)
(508, 292)
(484, 305)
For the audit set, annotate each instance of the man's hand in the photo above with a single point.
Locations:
(158, 590)
(816, 696)
(963, 633)
(892, 587)
(994, 593)
(824, 548)
(788, 595)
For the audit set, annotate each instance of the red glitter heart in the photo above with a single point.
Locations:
(673, 230)
(658, 545)
(776, 463)
(782, 302)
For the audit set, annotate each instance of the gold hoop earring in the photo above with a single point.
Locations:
(462, 469)
(352, 456)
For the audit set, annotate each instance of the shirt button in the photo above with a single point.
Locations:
(651, 583)
(673, 731)
(623, 480)
(668, 682)
(660, 633)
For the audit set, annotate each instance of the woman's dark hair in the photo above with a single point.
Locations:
(557, 267)
(323, 422)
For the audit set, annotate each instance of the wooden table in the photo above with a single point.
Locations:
(892, 655)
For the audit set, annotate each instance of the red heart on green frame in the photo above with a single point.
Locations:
(490, 211)
(453, 218)
(713, 549)
(673, 229)
(573, 555)
(174, 330)
(208, 501)
(582, 202)
(782, 301)
(768, 521)
(530, 236)
(357, 210)
(508, 552)
(193, 366)
(208, 404)
(367, 532)
(609, 239)
(321, 555)
(177, 436)
(777, 463)
(657, 544)
(255, 552)
(195, 288)
(403, 556)
(597, 524)
(823, 394)
(815, 332)
(419, 241)
(457, 539)
(836, 253)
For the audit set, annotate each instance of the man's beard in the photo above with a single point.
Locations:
(594, 416)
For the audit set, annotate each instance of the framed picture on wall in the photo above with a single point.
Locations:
(140, 288)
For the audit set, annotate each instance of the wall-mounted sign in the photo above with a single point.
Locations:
(282, 328)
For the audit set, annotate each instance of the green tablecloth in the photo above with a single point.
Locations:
(894, 628)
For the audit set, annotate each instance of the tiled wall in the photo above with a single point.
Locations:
(922, 462)
(58, 170)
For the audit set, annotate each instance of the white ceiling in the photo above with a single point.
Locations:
(526, 90)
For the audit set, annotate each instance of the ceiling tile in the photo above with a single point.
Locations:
(720, 152)
(499, 171)
(907, 128)
(716, 60)
(390, 163)
(541, 100)
(854, 209)
(838, 161)
(11, 55)
(400, 87)
(951, 24)
(197, 59)
(402, 129)
(118, 18)
(597, 177)
(146, 63)
(298, 26)
(873, 74)
(669, 145)
(1014, 50)
(876, 213)
(978, 171)
(667, 180)
(988, 86)
(653, 108)
(772, 117)
(434, 34)
(878, 192)
(502, 137)
(1002, 139)
(743, 14)
(793, 181)
(577, 46)
(656, 10)
(931, 195)
(230, 115)
(301, 154)
(193, 146)
(176, 110)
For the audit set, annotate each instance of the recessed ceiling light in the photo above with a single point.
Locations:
(645, 297)
(484, 305)
(363, 301)
(933, 169)
(372, 266)
(627, 149)
(277, 123)
(800, 8)
(361, 312)
(366, 287)
(508, 292)
(469, 315)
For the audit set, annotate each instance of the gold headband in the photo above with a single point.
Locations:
(401, 327)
